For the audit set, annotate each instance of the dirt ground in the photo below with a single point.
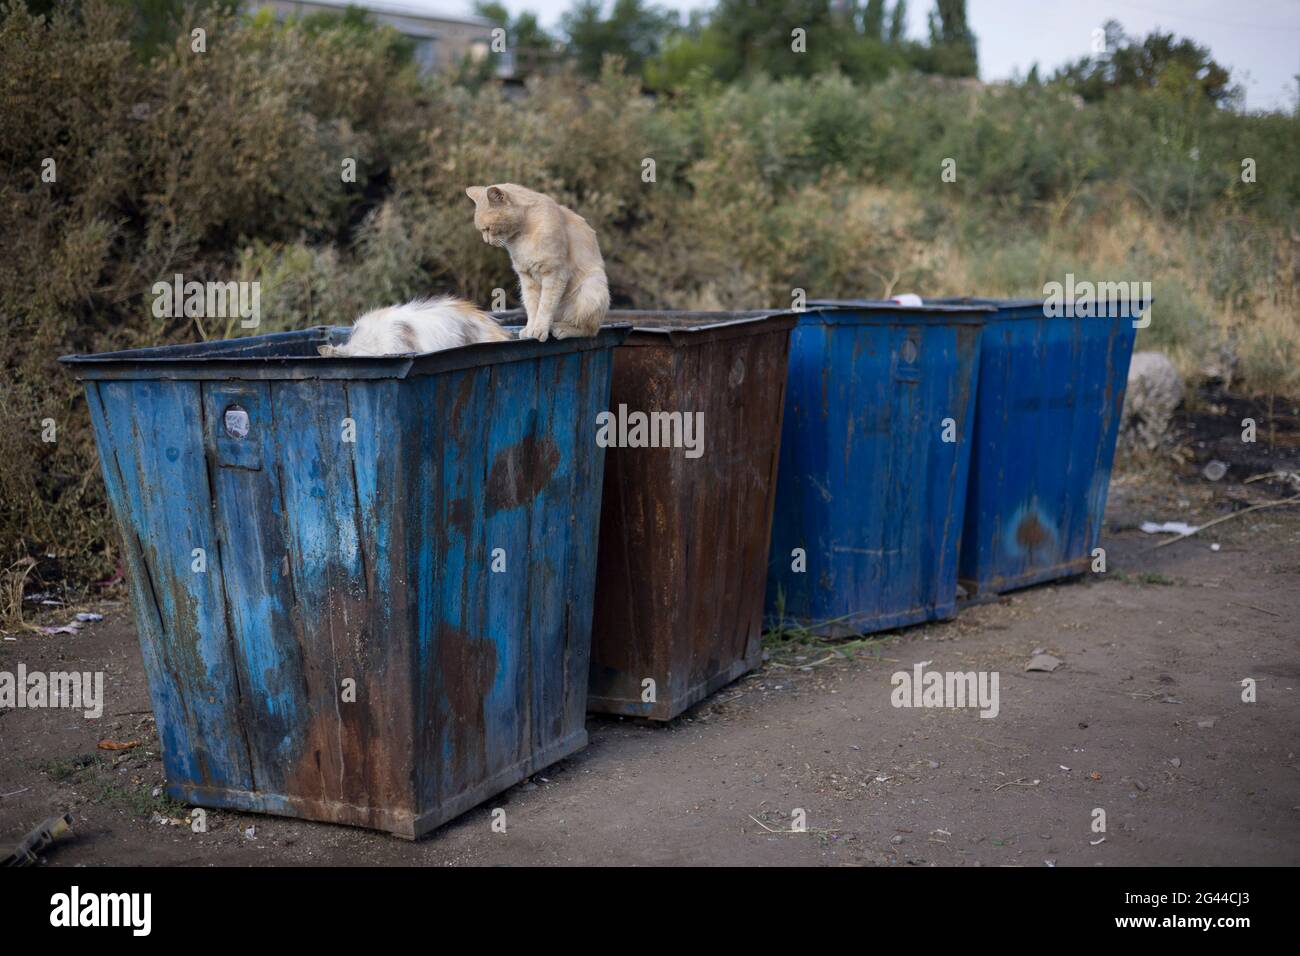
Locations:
(1144, 720)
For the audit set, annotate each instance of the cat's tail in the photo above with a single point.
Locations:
(484, 327)
(588, 307)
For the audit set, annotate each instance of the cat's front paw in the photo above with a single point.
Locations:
(535, 330)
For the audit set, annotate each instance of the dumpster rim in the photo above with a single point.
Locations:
(1005, 308)
(153, 364)
(736, 324)
(732, 324)
(844, 312)
(879, 305)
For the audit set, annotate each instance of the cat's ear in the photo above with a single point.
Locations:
(475, 193)
(497, 196)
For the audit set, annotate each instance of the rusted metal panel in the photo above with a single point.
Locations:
(683, 540)
(340, 647)
(1051, 392)
(875, 450)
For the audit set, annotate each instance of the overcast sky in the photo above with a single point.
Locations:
(1259, 40)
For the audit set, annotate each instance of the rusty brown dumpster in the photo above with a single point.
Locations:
(692, 438)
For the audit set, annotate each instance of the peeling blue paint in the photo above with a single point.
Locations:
(866, 486)
(1051, 391)
(361, 560)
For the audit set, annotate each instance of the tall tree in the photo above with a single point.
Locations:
(952, 43)
(531, 45)
(634, 30)
(873, 20)
(1159, 63)
(898, 23)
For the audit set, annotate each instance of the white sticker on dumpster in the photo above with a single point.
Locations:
(236, 422)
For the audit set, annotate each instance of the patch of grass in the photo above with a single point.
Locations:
(788, 638)
(1155, 578)
(138, 799)
(67, 768)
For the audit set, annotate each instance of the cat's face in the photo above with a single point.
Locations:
(496, 217)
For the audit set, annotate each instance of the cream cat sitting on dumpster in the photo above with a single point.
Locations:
(561, 281)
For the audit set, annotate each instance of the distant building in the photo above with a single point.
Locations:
(442, 39)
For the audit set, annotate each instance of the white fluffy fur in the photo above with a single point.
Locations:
(417, 327)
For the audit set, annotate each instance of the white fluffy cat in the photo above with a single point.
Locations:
(429, 325)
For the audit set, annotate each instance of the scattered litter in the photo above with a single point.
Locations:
(250, 833)
(934, 765)
(1214, 470)
(14, 793)
(1169, 527)
(908, 298)
(1064, 767)
(25, 853)
(107, 744)
(1177, 762)
(1043, 662)
(1051, 863)
(1294, 499)
(1215, 546)
(1206, 723)
(1017, 783)
(1094, 775)
(73, 626)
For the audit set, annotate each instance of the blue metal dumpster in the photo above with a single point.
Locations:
(363, 586)
(875, 447)
(1051, 391)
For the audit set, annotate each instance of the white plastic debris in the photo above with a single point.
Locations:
(908, 299)
(1043, 662)
(1169, 527)
(1214, 470)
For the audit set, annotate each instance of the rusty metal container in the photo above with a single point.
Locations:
(684, 537)
(363, 587)
(1051, 394)
(874, 460)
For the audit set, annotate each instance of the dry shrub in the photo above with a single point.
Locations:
(159, 168)
(227, 165)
